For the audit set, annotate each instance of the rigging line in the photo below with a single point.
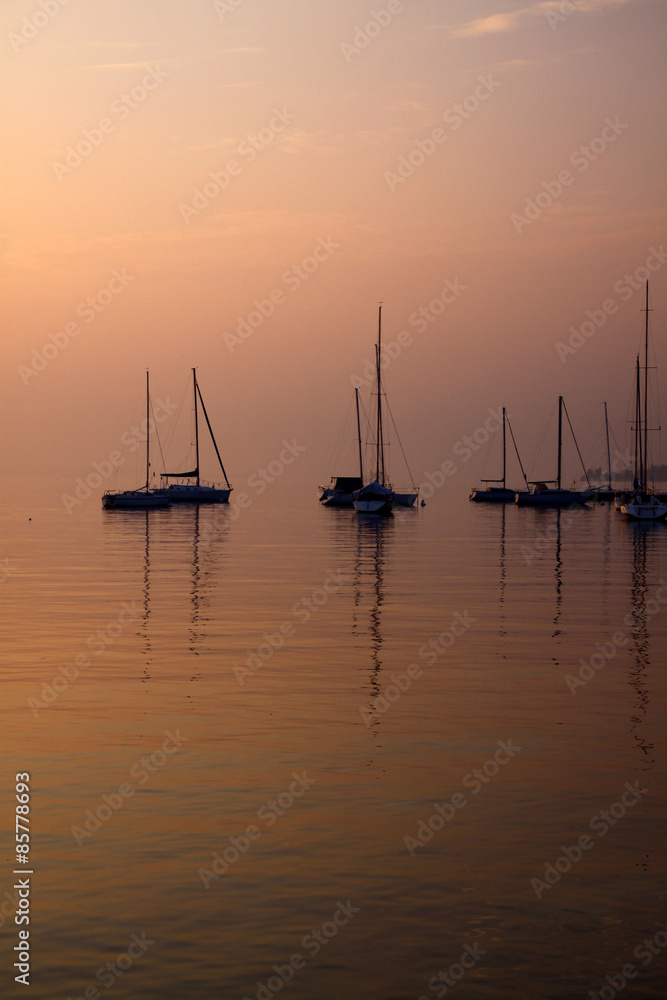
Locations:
(593, 447)
(487, 456)
(517, 452)
(618, 449)
(368, 426)
(210, 430)
(366, 432)
(540, 443)
(170, 436)
(654, 402)
(576, 445)
(338, 444)
(412, 482)
(157, 435)
(488, 450)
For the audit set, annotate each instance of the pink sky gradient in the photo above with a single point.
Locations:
(402, 139)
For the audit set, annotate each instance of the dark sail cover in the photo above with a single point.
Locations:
(181, 475)
(348, 484)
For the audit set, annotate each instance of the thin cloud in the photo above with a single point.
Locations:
(121, 45)
(124, 65)
(242, 84)
(501, 23)
(242, 50)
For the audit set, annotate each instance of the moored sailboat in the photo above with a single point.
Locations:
(142, 498)
(189, 487)
(340, 490)
(551, 492)
(494, 493)
(377, 497)
(643, 504)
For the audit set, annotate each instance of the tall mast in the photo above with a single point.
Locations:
(560, 437)
(361, 461)
(504, 452)
(148, 431)
(379, 449)
(606, 423)
(194, 386)
(639, 458)
(645, 476)
(636, 480)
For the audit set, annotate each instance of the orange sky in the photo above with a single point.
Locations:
(178, 161)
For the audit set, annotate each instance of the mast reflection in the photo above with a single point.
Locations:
(502, 615)
(368, 539)
(559, 579)
(137, 525)
(147, 600)
(641, 536)
(208, 525)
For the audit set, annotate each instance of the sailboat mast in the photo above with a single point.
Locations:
(361, 461)
(645, 476)
(194, 387)
(380, 442)
(606, 423)
(639, 461)
(504, 450)
(560, 437)
(148, 432)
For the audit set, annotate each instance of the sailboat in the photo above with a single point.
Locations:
(339, 492)
(606, 492)
(499, 494)
(550, 492)
(377, 497)
(189, 487)
(144, 497)
(623, 496)
(643, 505)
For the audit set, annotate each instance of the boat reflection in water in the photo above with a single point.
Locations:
(208, 527)
(180, 563)
(373, 537)
(368, 540)
(643, 606)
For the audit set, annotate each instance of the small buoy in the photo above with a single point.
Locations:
(423, 503)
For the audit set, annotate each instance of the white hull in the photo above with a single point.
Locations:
(650, 510)
(378, 506)
(178, 493)
(405, 499)
(374, 499)
(134, 500)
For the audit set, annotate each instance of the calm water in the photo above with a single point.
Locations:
(170, 607)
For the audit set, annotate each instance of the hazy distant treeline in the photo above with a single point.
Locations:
(656, 473)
